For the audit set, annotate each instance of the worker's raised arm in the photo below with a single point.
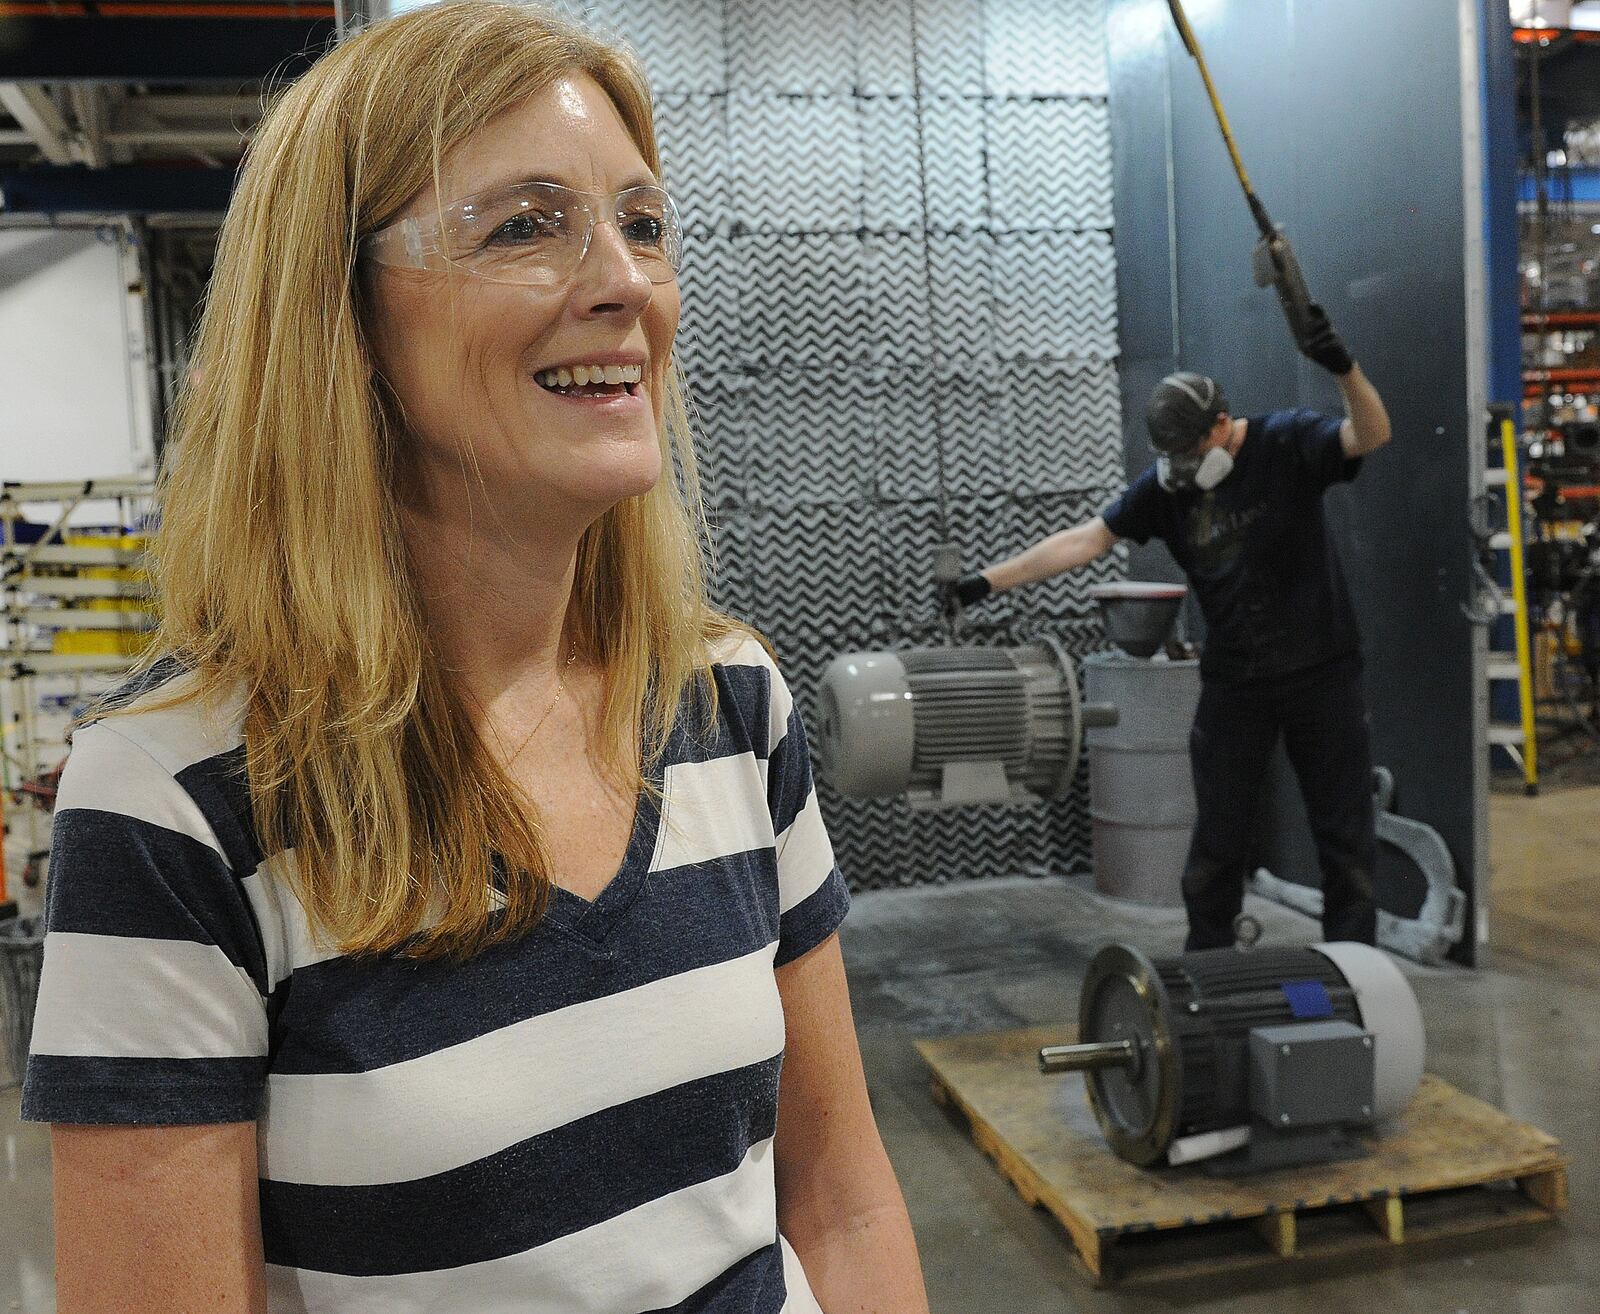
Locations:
(1048, 557)
(1367, 427)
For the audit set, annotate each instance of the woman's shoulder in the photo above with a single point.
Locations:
(737, 646)
(159, 719)
(158, 773)
(751, 691)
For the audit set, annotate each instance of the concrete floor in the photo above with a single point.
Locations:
(1524, 1034)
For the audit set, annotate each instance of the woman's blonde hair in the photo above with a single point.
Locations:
(280, 567)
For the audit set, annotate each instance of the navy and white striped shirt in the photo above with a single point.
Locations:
(578, 1121)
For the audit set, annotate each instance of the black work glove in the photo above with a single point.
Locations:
(965, 591)
(1321, 344)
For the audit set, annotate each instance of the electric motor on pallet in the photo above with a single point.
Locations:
(954, 726)
(1271, 1057)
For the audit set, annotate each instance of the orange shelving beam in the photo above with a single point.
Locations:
(1559, 319)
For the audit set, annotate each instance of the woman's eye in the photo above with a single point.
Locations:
(523, 228)
(644, 229)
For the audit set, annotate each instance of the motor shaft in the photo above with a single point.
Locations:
(1089, 1057)
(1099, 716)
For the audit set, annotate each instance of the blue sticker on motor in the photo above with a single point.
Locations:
(1307, 999)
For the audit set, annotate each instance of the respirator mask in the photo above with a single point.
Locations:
(1182, 474)
(1182, 410)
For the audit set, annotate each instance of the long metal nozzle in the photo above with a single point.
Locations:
(1089, 1057)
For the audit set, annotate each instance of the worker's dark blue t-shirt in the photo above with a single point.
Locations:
(1256, 548)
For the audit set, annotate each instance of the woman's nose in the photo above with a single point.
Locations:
(609, 279)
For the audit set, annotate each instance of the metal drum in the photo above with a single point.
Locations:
(1141, 796)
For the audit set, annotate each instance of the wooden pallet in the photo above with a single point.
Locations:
(1448, 1166)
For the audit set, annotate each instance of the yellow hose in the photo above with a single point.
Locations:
(1193, 47)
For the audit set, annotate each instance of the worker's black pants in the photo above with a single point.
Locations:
(1322, 717)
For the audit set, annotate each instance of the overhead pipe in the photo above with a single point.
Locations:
(168, 44)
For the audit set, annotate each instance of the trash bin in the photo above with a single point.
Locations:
(21, 957)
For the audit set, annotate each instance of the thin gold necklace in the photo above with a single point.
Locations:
(561, 684)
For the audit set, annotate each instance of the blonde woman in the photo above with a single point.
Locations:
(446, 921)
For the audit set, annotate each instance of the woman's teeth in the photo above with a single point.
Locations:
(598, 378)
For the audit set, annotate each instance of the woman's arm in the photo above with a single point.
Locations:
(152, 1220)
(838, 1202)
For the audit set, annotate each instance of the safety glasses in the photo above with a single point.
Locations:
(534, 233)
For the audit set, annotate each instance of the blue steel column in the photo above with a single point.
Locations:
(1504, 281)
(1500, 204)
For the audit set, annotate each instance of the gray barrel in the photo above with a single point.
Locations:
(1141, 796)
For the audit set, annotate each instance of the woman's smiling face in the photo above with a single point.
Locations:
(465, 355)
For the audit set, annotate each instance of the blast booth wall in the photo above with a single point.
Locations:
(1358, 122)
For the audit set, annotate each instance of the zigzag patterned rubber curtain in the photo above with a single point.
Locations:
(900, 328)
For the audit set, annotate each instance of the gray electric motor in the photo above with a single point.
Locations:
(1254, 1058)
(948, 727)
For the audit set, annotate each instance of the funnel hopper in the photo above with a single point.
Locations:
(1138, 617)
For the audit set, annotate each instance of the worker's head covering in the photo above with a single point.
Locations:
(1181, 411)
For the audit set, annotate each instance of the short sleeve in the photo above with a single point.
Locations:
(151, 1003)
(1137, 513)
(1318, 450)
(812, 895)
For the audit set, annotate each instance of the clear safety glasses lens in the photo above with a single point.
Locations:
(535, 234)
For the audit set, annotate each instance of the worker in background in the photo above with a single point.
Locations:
(1238, 502)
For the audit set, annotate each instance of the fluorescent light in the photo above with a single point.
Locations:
(1136, 26)
(1143, 22)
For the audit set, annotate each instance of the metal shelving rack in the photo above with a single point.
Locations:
(46, 587)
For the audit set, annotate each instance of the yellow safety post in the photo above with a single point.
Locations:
(1519, 595)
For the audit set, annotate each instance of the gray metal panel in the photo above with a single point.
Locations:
(896, 269)
(949, 36)
(885, 65)
(961, 277)
(892, 187)
(1055, 296)
(708, 329)
(1033, 49)
(1049, 163)
(1065, 421)
(680, 41)
(1311, 1074)
(803, 301)
(953, 155)
(794, 49)
(1476, 28)
(1355, 145)
(692, 135)
(849, 293)
(784, 183)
